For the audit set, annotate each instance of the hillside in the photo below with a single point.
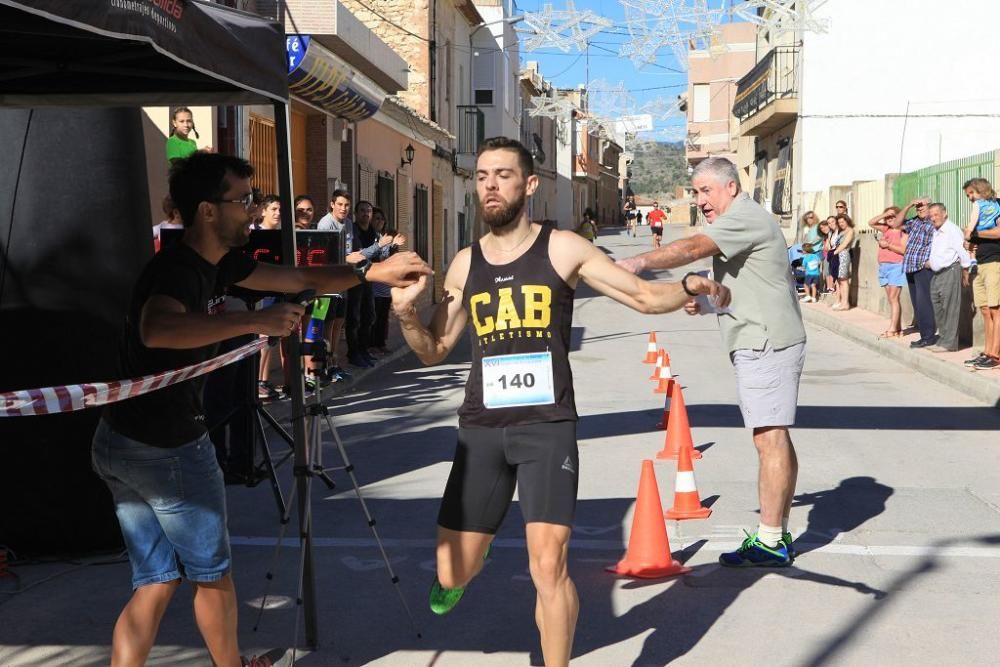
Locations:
(658, 171)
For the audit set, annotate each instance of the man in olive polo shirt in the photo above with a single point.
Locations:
(763, 332)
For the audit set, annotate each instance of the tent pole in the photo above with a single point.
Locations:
(283, 140)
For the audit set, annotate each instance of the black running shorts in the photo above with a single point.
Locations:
(540, 459)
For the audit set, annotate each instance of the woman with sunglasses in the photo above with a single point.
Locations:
(891, 246)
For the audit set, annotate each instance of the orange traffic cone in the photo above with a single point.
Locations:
(678, 428)
(665, 419)
(687, 502)
(651, 349)
(648, 554)
(665, 377)
(658, 366)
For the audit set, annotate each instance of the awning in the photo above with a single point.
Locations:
(137, 52)
(324, 80)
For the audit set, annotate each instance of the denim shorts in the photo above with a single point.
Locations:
(171, 505)
(891, 273)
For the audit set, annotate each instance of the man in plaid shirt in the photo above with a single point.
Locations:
(920, 232)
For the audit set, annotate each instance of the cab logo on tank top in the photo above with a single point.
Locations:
(506, 315)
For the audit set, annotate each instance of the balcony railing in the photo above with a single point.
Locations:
(773, 78)
(471, 128)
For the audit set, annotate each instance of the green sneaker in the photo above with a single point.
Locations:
(442, 600)
(752, 553)
(786, 539)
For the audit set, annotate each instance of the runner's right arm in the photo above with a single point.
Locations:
(433, 343)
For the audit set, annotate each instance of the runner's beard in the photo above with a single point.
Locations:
(506, 215)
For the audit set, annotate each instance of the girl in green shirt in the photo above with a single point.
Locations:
(180, 144)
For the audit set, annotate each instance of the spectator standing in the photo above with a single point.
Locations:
(810, 232)
(638, 218)
(811, 266)
(983, 234)
(763, 333)
(305, 211)
(656, 219)
(360, 316)
(949, 264)
(179, 143)
(270, 207)
(380, 291)
(891, 246)
(919, 232)
(172, 220)
(845, 242)
(829, 245)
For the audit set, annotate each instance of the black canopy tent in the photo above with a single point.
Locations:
(62, 223)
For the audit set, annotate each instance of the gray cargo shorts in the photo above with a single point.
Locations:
(767, 384)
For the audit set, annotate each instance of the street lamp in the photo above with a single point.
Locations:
(408, 152)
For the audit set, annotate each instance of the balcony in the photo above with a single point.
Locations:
(767, 98)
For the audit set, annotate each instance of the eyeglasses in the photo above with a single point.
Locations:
(303, 211)
(841, 206)
(248, 201)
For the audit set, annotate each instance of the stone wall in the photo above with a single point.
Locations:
(410, 40)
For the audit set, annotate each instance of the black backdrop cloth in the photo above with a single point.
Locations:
(138, 52)
(74, 216)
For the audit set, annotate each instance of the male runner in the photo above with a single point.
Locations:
(518, 422)
(153, 450)
(656, 219)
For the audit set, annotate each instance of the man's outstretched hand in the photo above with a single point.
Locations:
(633, 265)
(400, 270)
(404, 299)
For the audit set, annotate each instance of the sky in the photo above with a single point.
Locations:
(664, 79)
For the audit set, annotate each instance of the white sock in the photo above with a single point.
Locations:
(769, 536)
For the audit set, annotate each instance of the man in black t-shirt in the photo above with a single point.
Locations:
(153, 451)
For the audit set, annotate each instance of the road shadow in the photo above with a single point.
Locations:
(839, 510)
(853, 417)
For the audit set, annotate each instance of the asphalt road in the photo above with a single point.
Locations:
(897, 519)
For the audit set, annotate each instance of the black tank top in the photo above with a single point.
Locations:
(523, 308)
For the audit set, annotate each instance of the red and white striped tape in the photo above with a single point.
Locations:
(69, 398)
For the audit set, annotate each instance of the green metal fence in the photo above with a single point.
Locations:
(943, 183)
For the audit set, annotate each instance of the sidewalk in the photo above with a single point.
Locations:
(863, 327)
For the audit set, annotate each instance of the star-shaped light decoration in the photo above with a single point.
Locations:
(551, 107)
(561, 29)
(675, 24)
(783, 16)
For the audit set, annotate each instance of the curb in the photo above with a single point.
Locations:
(967, 382)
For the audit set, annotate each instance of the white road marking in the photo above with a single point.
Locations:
(615, 545)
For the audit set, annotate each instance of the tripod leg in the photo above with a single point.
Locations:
(349, 468)
(269, 462)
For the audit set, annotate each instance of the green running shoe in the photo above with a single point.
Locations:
(786, 539)
(442, 600)
(752, 553)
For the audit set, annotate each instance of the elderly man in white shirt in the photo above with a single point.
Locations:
(949, 263)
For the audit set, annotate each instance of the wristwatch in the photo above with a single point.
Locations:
(361, 269)
(684, 283)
